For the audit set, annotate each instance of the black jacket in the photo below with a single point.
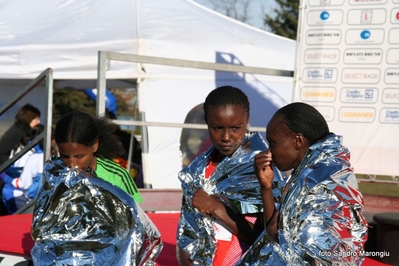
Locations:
(10, 140)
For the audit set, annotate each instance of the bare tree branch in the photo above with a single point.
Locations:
(237, 9)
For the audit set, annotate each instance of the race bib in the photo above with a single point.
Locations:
(221, 232)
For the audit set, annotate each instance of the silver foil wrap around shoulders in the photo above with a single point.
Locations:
(233, 182)
(80, 219)
(321, 221)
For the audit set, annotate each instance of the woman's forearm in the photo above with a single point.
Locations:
(237, 224)
(268, 204)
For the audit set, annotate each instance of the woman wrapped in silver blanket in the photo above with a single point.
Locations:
(320, 220)
(221, 213)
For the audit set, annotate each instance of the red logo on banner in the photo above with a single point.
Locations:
(397, 16)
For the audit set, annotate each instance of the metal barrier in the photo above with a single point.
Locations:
(105, 57)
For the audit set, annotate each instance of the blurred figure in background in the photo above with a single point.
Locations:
(136, 169)
(27, 118)
(18, 190)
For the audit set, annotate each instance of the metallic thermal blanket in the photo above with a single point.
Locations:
(80, 219)
(321, 220)
(233, 182)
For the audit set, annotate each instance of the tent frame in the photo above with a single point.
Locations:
(104, 62)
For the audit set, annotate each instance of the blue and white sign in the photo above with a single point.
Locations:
(348, 68)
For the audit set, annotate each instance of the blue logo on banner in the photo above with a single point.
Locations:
(369, 94)
(324, 15)
(365, 34)
(328, 73)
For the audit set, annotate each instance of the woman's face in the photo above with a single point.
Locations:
(227, 126)
(35, 121)
(287, 150)
(78, 155)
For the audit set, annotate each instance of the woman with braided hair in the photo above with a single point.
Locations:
(87, 210)
(320, 220)
(86, 143)
(221, 213)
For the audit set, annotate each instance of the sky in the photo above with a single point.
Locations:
(257, 9)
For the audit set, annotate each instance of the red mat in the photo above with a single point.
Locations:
(15, 236)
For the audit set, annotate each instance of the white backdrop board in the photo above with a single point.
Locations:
(347, 66)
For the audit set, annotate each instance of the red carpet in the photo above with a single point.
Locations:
(15, 236)
(167, 225)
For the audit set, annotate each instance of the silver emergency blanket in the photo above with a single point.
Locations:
(321, 221)
(233, 181)
(80, 219)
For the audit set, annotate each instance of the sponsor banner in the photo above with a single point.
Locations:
(319, 75)
(318, 94)
(325, 18)
(389, 115)
(367, 16)
(325, 56)
(395, 16)
(361, 75)
(364, 36)
(319, 3)
(393, 37)
(327, 111)
(390, 96)
(367, 2)
(392, 76)
(363, 56)
(322, 37)
(349, 70)
(359, 95)
(393, 56)
(357, 114)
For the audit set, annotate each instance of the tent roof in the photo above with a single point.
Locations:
(67, 35)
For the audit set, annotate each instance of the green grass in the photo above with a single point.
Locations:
(379, 189)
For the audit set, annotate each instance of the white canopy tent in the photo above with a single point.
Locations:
(67, 35)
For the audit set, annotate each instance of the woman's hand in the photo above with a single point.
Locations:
(264, 172)
(235, 222)
(205, 203)
(263, 169)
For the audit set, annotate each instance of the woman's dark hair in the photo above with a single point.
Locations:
(305, 119)
(35, 131)
(26, 114)
(81, 128)
(226, 95)
(31, 135)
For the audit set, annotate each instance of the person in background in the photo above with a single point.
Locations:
(90, 144)
(320, 220)
(136, 167)
(18, 191)
(221, 214)
(26, 118)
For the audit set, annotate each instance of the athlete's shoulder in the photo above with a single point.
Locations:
(111, 166)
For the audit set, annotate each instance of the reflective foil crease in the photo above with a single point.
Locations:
(321, 221)
(80, 219)
(233, 181)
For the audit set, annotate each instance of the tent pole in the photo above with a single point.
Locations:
(101, 83)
